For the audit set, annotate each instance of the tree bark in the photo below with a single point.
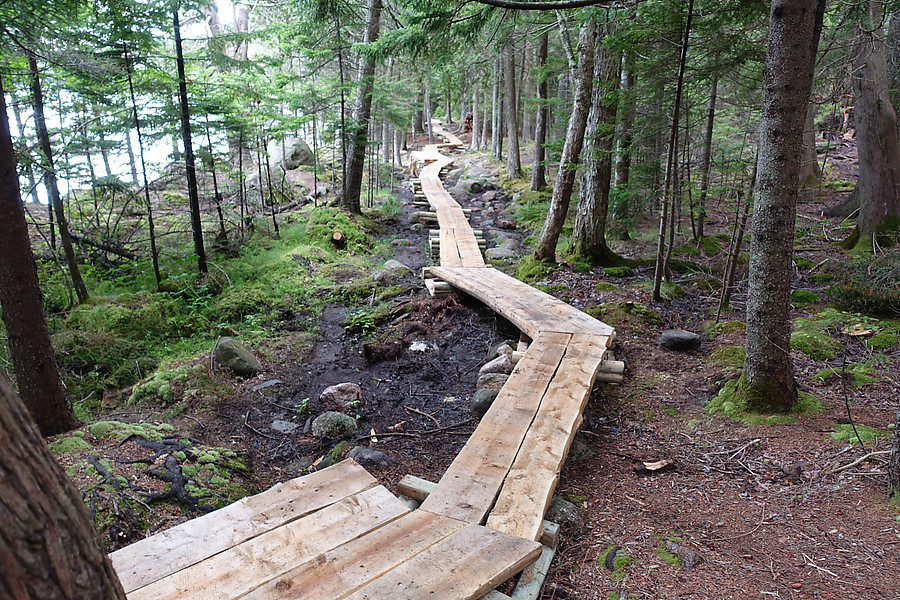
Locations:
(794, 28)
(545, 249)
(625, 123)
(706, 157)
(48, 546)
(40, 125)
(876, 136)
(362, 111)
(190, 172)
(589, 236)
(496, 126)
(475, 142)
(22, 305)
(809, 163)
(513, 159)
(539, 170)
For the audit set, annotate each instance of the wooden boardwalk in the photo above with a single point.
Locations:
(337, 534)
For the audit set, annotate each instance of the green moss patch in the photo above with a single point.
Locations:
(119, 430)
(625, 313)
(882, 341)
(69, 445)
(862, 373)
(844, 433)
(617, 565)
(737, 400)
(618, 271)
(804, 297)
(812, 339)
(324, 222)
(532, 268)
(729, 356)
(804, 264)
(605, 286)
(686, 250)
(712, 244)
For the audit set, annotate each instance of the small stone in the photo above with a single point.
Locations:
(501, 364)
(511, 244)
(565, 514)
(420, 347)
(339, 397)
(679, 340)
(506, 224)
(500, 253)
(333, 425)
(580, 452)
(233, 356)
(491, 381)
(381, 276)
(396, 267)
(689, 557)
(266, 384)
(368, 456)
(505, 348)
(401, 242)
(471, 186)
(488, 196)
(283, 426)
(454, 175)
(482, 401)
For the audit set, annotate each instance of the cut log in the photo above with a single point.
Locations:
(338, 240)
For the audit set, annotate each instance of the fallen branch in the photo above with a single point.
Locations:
(856, 462)
(416, 434)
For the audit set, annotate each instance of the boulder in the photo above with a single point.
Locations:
(482, 401)
(500, 253)
(679, 340)
(506, 348)
(488, 196)
(340, 396)
(236, 358)
(333, 425)
(501, 364)
(289, 154)
(511, 244)
(457, 192)
(368, 456)
(565, 514)
(395, 267)
(478, 172)
(453, 175)
(471, 186)
(491, 381)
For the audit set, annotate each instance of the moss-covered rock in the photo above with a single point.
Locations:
(119, 430)
(69, 445)
(882, 341)
(724, 327)
(532, 268)
(804, 297)
(618, 271)
(605, 286)
(812, 339)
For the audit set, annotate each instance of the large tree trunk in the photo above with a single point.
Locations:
(513, 160)
(589, 236)
(48, 546)
(794, 28)
(706, 157)
(625, 123)
(362, 111)
(539, 170)
(40, 125)
(876, 137)
(565, 179)
(190, 172)
(22, 306)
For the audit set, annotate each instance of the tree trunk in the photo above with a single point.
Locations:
(22, 306)
(706, 157)
(794, 28)
(40, 125)
(876, 137)
(893, 63)
(565, 179)
(809, 162)
(475, 142)
(589, 236)
(539, 170)
(361, 112)
(427, 111)
(496, 127)
(625, 123)
(191, 175)
(513, 159)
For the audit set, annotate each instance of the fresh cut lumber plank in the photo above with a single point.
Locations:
(243, 568)
(174, 549)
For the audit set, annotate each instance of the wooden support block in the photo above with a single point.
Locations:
(612, 366)
(426, 273)
(415, 487)
(550, 534)
(532, 578)
(516, 356)
(610, 378)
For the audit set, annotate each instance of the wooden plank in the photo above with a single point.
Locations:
(461, 567)
(449, 249)
(470, 485)
(532, 579)
(243, 568)
(343, 570)
(528, 488)
(186, 544)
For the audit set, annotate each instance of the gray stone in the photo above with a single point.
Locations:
(580, 452)
(340, 396)
(266, 384)
(488, 196)
(482, 401)
(491, 381)
(381, 276)
(501, 364)
(679, 340)
(500, 253)
(230, 354)
(478, 172)
(485, 223)
(396, 267)
(283, 426)
(505, 348)
(471, 186)
(453, 175)
(289, 153)
(457, 192)
(565, 514)
(511, 244)
(333, 425)
(368, 456)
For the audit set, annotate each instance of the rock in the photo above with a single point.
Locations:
(688, 556)
(511, 244)
(340, 396)
(580, 452)
(491, 381)
(401, 242)
(233, 356)
(283, 426)
(500, 253)
(333, 425)
(381, 276)
(482, 401)
(368, 456)
(453, 175)
(488, 196)
(501, 364)
(505, 224)
(505, 348)
(478, 172)
(396, 267)
(565, 514)
(266, 384)
(485, 223)
(679, 340)
(420, 346)
(457, 192)
(471, 186)
(289, 154)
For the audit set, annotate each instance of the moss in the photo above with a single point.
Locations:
(160, 385)
(670, 291)
(337, 453)
(119, 430)
(804, 296)
(729, 356)
(882, 341)
(625, 312)
(861, 373)
(686, 250)
(531, 268)
(605, 286)
(738, 400)
(666, 556)
(724, 327)
(804, 264)
(69, 445)
(712, 244)
(812, 339)
(323, 222)
(619, 562)
(618, 271)
(844, 433)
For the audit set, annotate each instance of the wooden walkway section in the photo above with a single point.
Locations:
(337, 534)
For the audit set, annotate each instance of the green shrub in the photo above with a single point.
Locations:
(870, 283)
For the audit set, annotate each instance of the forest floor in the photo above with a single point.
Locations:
(748, 508)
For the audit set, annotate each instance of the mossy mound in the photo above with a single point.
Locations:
(882, 341)
(686, 250)
(625, 313)
(605, 286)
(729, 356)
(712, 244)
(69, 444)
(738, 401)
(724, 327)
(324, 222)
(843, 432)
(618, 271)
(812, 339)
(119, 430)
(804, 264)
(862, 373)
(531, 268)
(668, 290)
(162, 384)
